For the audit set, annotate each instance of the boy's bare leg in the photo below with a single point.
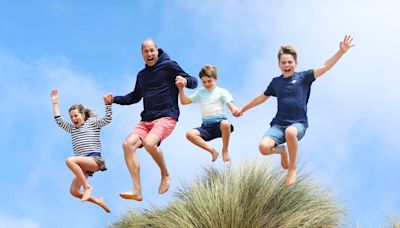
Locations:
(151, 145)
(132, 162)
(194, 137)
(226, 133)
(79, 165)
(75, 191)
(292, 143)
(281, 149)
(267, 147)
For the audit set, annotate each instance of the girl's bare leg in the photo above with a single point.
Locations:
(194, 137)
(75, 191)
(226, 133)
(79, 165)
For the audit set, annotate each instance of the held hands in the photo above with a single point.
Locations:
(108, 99)
(346, 44)
(54, 96)
(237, 112)
(180, 82)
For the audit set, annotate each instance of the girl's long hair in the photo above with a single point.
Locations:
(81, 109)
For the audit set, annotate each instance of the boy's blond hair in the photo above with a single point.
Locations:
(287, 49)
(208, 71)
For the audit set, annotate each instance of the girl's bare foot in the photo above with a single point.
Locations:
(103, 205)
(164, 185)
(225, 156)
(132, 195)
(291, 177)
(214, 154)
(87, 193)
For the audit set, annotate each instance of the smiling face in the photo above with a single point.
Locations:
(150, 52)
(208, 82)
(287, 64)
(77, 118)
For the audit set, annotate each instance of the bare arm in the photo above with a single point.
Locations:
(345, 45)
(256, 101)
(54, 99)
(183, 98)
(232, 107)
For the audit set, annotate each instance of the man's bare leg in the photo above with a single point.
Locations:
(131, 143)
(292, 144)
(194, 137)
(151, 145)
(226, 133)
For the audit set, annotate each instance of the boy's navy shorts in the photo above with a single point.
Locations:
(211, 131)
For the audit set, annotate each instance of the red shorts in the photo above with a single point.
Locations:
(161, 127)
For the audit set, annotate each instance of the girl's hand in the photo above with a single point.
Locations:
(54, 96)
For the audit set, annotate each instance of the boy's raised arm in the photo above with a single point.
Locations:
(256, 101)
(345, 45)
(182, 96)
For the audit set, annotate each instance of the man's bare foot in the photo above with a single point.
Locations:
(291, 177)
(87, 193)
(225, 156)
(131, 195)
(102, 204)
(164, 185)
(214, 154)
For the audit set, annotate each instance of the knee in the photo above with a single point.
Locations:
(70, 161)
(265, 149)
(190, 135)
(75, 192)
(225, 124)
(148, 145)
(291, 133)
(125, 145)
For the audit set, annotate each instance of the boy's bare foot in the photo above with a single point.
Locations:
(131, 195)
(164, 185)
(291, 177)
(284, 160)
(284, 156)
(225, 156)
(87, 193)
(214, 154)
(103, 205)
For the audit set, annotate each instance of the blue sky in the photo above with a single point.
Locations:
(87, 48)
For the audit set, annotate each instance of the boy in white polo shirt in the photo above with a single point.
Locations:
(212, 100)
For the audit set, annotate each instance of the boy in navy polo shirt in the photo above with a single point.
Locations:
(292, 89)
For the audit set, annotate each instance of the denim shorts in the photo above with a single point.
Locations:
(277, 132)
(210, 131)
(99, 160)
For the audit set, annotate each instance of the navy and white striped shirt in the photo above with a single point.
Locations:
(86, 138)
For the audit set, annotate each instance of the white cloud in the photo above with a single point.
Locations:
(8, 221)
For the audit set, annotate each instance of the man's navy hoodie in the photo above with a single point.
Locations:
(156, 85)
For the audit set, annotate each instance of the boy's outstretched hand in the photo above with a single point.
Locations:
(346, 44)
(180, 82)
(237, 112)
(54, 96)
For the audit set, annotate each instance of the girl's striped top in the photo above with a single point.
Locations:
(86, 138)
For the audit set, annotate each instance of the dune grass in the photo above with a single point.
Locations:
(250, 195)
